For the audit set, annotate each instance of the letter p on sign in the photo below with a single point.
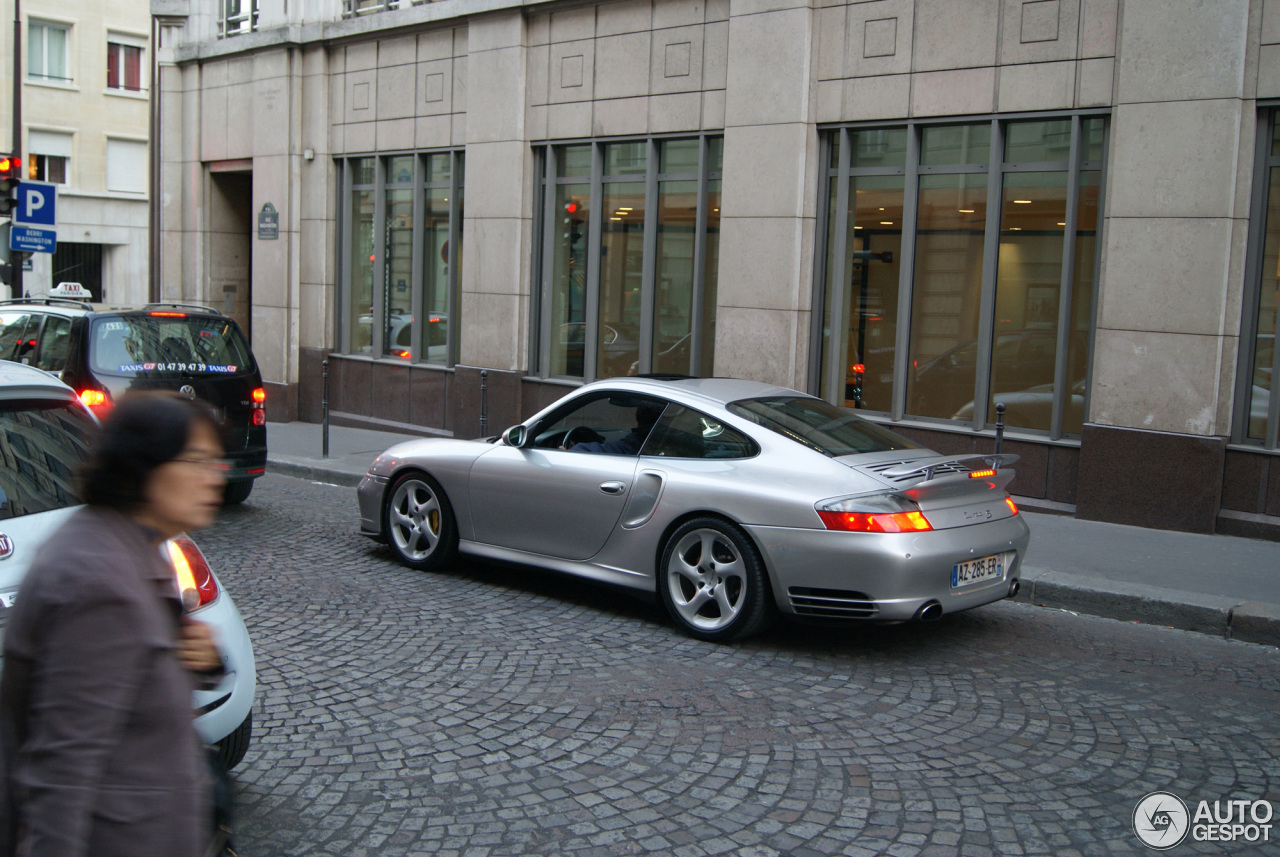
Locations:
(37, 203)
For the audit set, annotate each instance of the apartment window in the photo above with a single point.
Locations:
(124, 65)
(628, 256)
(50, 156)
(47, 45)
(958, 269)
(402, 234)
(238, 17)
(126, 166)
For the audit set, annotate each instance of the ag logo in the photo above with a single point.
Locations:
(188, 391)
(1161, 820)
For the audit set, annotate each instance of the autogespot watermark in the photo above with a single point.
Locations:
(1162, 821)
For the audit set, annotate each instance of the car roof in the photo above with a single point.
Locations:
(19, 381)
(720, 391)
(68, 307)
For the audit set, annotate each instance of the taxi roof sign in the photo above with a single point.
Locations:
(70, 290)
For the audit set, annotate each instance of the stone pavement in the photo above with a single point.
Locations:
(1221, 585)
(498, 711)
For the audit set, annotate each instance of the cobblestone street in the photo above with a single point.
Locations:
(503, 711)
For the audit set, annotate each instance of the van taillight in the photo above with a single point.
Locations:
(98, 401)
(195, 580)
(260, 407)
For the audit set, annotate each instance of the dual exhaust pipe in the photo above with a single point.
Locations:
(931, 611)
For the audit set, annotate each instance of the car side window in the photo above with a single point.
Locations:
(55, 342)
(615, 423)
(17, 335)
(685, 433)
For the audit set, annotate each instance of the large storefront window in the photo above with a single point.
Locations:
(402, 240)
(1256, 420)
(968, 270)
(628, 286)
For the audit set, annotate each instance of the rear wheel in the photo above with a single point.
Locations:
(713, 581)
(236, 492)
(232, 748)
(419, 522)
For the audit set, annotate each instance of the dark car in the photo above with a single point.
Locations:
(101, 352)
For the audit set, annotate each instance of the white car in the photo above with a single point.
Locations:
(44, 434)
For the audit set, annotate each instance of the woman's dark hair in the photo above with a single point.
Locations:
(142, 432)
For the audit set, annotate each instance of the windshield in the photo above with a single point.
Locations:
(819, 425)
(42, 442)
(158, 344)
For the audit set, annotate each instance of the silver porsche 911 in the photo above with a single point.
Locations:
(729, 500)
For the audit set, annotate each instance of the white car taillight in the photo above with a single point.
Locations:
(195, 580)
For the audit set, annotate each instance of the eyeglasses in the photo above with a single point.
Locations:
(218, 464)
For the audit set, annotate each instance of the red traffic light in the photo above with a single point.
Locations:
(10, 166)
(571, 207)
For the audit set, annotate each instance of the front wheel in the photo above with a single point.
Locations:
(419, 522)
(232, 748)
(713, 581)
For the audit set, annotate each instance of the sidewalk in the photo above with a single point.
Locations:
(1220, 585)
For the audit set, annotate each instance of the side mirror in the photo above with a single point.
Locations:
(515, 436)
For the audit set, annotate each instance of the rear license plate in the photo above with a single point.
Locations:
(977, 570)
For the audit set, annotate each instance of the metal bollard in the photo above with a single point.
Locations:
(484, 402)
(999, 426)
(324, 409)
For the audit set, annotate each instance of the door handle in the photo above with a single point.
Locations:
(613, 487)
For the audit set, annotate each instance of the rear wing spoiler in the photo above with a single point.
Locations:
(929, 467)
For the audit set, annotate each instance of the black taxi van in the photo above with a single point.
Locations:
(101, 352)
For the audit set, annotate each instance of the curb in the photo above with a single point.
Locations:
(1246, 621)
(312, 473)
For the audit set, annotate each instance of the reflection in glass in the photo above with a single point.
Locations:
(621, 275)
(1268, 299)
(435, 274)
(955, 144)
(677, 222)
(946, 296)
(1042, 140)
(360, 307)
(878, 147)
(1028, 282)
(397, 272)
(569, 280)
(710, 281)
(870, 290)
(1087, 219)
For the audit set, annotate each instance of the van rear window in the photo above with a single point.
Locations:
(134, 345)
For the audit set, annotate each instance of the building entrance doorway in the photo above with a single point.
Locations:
(78, 263)
(230, 248)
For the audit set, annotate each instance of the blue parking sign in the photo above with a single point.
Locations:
(37, 204)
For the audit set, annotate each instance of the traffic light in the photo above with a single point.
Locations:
(10, 178)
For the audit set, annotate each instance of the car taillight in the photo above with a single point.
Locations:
(1013, 507)
(875, 522)
(260, 407)
(195, 580)
(98, 401)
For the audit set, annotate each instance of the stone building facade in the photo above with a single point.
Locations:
(917, 209)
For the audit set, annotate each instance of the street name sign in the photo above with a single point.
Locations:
(29, 240)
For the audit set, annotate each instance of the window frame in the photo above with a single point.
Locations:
(1264, 161)
(118, 43)
(543, 255)
(346, 190)
(45, 26)
(830, 350)
(239, 22)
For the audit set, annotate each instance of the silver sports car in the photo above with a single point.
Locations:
(729, 500)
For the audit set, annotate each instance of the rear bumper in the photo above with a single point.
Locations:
(246, 464)
(819, 574)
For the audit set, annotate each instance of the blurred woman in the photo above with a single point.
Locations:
(100, 755)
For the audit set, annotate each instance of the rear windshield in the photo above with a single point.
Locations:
(819, 425)
(133, 345)
(42, 442)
